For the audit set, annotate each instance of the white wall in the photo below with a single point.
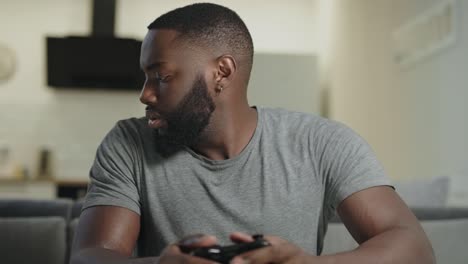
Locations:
(72, 123)
(414, 117)
(275, 25)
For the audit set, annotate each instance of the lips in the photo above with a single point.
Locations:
(154, 118)
(152, 115)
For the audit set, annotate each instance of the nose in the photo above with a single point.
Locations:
(148, 94)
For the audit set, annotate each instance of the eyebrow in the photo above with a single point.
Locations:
(154, 65)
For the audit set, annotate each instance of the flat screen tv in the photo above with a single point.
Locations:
(94, 62)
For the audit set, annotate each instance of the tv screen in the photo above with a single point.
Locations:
(94, 62)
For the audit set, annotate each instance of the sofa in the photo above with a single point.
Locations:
(445, 225)
(447, 229)
(33, 231)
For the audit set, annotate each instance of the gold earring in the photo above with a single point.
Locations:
(219, 88)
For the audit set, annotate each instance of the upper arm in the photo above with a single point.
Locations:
(375, 210)
(109, 227)
(346, 162)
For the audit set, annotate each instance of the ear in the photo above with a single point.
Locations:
(226, 70)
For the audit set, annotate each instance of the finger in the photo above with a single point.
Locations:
(262, 255)
(183, 258)
(279, 251)
(274, 240)
(198, 260)
(172, 249)
(239, 237)
(238, 260)
(195, 241)
(174, 254)
(198, 240)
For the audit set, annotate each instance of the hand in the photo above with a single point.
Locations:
(173, 254)
(280, 251)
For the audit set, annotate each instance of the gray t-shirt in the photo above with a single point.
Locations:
(287, 181)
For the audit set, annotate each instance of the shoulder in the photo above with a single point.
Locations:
(306, 131)
(126, 133)
(131, 128)
(292, 122)
(131, 125)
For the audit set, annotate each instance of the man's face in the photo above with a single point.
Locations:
(191, 116)
(176, 93)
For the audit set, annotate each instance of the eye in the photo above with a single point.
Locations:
(162, 78)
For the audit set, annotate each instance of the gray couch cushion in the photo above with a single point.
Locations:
(424, 192)
(443, 213)
(71, 235)
(449, 239)
(76, 209)
(338, 239)
(26, 208)
(72, 229)
(32, 240)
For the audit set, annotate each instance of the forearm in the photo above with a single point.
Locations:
(105, 256)
(399, 245)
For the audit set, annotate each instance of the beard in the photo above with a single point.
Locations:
(186, 123)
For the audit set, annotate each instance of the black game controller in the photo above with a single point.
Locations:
(224, 254)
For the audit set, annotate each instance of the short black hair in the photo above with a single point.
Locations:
(210, 25)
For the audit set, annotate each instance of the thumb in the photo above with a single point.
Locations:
(240, 237)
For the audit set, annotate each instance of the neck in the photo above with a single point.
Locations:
(228, 133)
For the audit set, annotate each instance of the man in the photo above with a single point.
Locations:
(204, 162)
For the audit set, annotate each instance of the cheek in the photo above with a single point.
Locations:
(167, 100)
(171, 94)
(211, 81)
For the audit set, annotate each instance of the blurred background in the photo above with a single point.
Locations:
(393, 70)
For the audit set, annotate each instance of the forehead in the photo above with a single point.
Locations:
(164, 46)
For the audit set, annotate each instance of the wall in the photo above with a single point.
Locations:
(276, 26)
(414, 117)
(72, 123)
